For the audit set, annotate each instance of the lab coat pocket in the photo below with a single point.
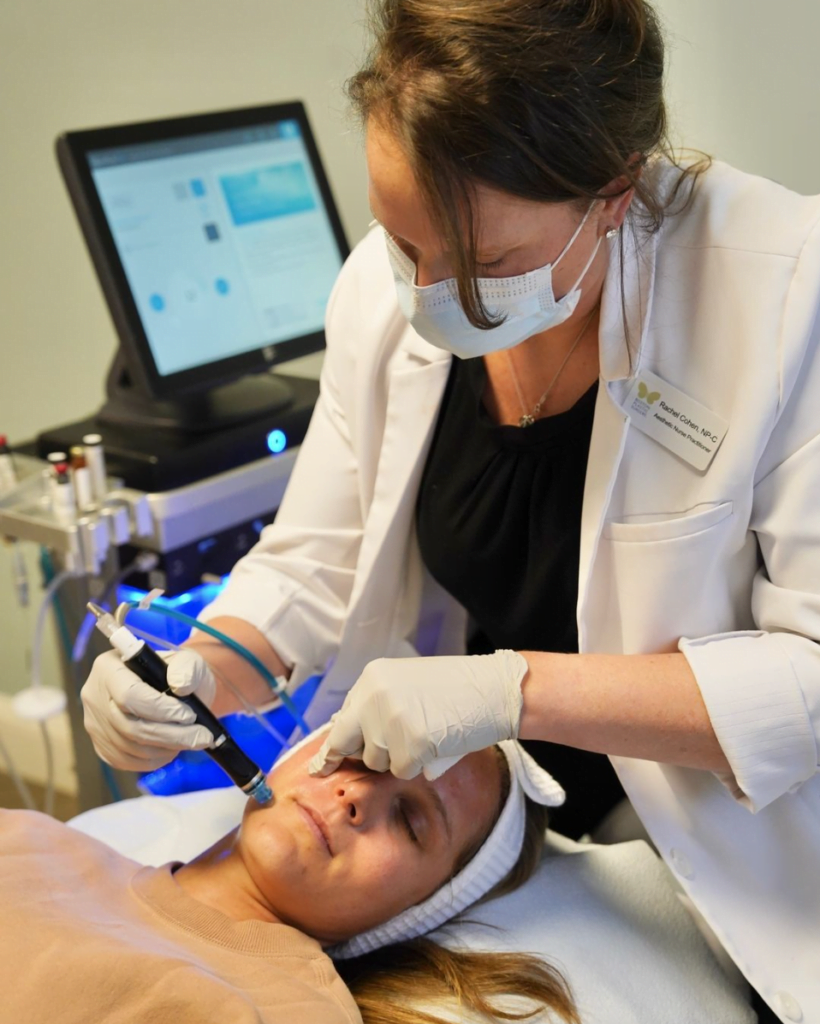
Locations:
(660, 577)
(655, 526)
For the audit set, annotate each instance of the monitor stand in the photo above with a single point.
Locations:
(253, 396)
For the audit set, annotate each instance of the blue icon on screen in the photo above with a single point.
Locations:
(277, 441)
(222, 286)
(157, 302)
(197, 187)
(289, 129)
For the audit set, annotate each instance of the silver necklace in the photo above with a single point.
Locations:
(528, 418)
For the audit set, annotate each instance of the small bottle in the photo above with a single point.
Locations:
(81, 476)
(95, 458)
(53, 459)
(63, 494)
(8, 475)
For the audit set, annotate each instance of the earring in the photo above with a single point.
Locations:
(612, 233)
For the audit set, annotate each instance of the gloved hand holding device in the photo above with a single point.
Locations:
(422, 714)
(137, 729)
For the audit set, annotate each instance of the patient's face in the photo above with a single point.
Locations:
(335, 856)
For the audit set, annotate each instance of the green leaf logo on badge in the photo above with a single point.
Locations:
(650, 397)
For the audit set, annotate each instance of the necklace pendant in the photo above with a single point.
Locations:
(526, 420)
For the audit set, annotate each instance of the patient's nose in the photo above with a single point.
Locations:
(361, 798)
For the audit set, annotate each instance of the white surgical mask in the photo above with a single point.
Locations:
(527, 302)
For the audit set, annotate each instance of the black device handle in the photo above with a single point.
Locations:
(151, 669)
(148, 665)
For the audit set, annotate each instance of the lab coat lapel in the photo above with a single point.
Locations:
(417, 378)
(610, 426)
(416, 381)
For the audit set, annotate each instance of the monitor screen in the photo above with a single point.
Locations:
(222, 235)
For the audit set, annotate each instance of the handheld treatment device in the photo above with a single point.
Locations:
(147, 664)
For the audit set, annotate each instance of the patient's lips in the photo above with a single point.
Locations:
(317, 824)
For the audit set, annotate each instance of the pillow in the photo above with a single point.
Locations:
(609, 919)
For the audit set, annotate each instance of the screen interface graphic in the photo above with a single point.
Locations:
(224, 239)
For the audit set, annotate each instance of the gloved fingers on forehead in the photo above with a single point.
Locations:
(343, 740)
(435, 769)
(406, 760)
(323, 761)
(406, 768)
(376, 757)
(326, 760)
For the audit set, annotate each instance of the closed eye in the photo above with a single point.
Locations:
(492, 266)
(406, 823)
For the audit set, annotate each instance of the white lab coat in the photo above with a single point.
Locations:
(723, 305)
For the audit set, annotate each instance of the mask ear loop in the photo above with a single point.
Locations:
(578, 231)
(583, 273)
(589, 262)
(405, 265)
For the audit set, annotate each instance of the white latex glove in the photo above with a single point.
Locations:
(422, 714)
(133, 726)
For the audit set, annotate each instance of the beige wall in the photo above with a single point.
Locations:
(68, 64)
(744, 84)
(85, 63)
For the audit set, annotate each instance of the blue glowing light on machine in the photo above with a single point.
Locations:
(193, 770)
(277, 441)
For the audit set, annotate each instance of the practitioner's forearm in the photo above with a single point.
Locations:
(633, 705)
(226, 662)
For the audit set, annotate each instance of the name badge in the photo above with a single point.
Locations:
(675, 420)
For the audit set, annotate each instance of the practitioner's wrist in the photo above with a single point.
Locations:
(540, 689)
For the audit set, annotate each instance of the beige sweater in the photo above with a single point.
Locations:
(88, 935)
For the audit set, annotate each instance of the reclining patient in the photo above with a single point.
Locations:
(343, 865)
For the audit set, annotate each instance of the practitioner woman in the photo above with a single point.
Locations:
(572, 389)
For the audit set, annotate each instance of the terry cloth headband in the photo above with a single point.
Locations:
(493, 862)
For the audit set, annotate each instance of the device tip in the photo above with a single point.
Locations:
(95, 610)
(262, 793)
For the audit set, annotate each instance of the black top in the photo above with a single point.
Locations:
(499, 515)
(499, 526)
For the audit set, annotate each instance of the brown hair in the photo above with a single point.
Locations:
(547, 100)
(387, 983)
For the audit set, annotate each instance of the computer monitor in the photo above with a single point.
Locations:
(216, 241)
